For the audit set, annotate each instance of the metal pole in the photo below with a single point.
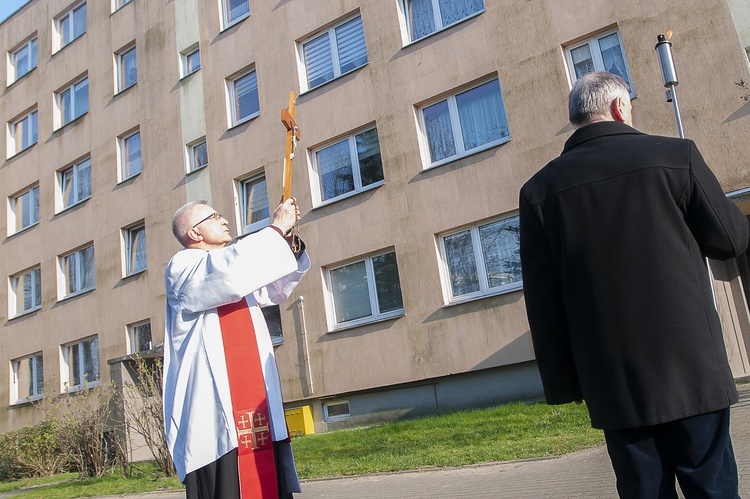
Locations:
(672, 90)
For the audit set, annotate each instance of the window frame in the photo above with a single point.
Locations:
(13, 201)
(485, 290)
(65, 366)
(232, 98)
(13, 298)
(332, 419)
(59, 115)
(64, 284)
(128, 235)
(375, 314)
(185, 60)
(133, 339)
(406, 24)
(120, 83)
(75, 167)
(241, 203)
(225, 21)
(356, 167)
(333, 52)
(15, 398)
(191, 152)
(69, 15)
(119, 4)
(122, 143)
(596, 56)
(13, 75)
(13, 147)
(461, 151)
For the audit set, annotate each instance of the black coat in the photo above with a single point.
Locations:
(613, 238)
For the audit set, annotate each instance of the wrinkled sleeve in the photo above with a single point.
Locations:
(277, 292)
(546, 314)
(718, 226)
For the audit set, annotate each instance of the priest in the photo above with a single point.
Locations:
(223, 411)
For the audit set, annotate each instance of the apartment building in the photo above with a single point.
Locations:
(420, 120)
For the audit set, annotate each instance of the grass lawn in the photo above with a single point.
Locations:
(512, 431)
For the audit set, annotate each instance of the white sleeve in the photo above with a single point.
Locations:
(277, 292)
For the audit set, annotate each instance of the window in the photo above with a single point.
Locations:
(28, 379)
(140, 337)
(118, 4)
(336, 411)
(198, 156)
(24, 210)
(366, 291)
(75, 183)
(349, 165)
(135, 249)
(73, 102)
(464, 123)
(191, 62)
(78, 271)
(428, 16)
(272, 315)
(127, 71)
(599, 53)
(234, 11)
(254, 213)
(25, 292)
(23, 60)
(482, 260)
(130, 155)
(244, 97)
(80, 365)
(335, 52)
(71, 25)
(24, 133)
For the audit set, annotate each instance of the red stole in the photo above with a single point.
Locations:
(257, 466)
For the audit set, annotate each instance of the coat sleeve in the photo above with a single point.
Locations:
(545, 310)
(718, 226)
(228, 274)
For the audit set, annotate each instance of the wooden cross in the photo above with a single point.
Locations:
(292, 136)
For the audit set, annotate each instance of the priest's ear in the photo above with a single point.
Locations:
(193, 236)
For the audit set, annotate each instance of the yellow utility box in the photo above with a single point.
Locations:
(300, 421)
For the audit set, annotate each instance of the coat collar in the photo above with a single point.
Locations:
(596, 130)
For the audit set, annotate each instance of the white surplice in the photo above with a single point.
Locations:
(197, 403)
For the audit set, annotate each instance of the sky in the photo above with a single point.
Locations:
(7, 7)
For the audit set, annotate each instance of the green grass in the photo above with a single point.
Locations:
(512, 431)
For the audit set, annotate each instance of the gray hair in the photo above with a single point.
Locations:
(592, 95)
(181, 219)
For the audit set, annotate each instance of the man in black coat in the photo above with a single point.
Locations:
(614, 236)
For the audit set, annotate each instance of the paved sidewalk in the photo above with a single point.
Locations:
(586, 474)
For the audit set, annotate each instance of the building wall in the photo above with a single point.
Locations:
(519, 42)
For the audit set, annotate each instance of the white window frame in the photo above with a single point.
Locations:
(13, 295)
(192, 161)
(185, 60)
(13, 202)
(65, 353)
(120, 84)
(461, 151)
(59, 118)
(74, 168)
(234, 120)
(334, 53)
(241, 201)
(596, 55)
(63, 284)
(69, 14)
(122, 142)
(127, 235)
(31, 45)
(133, 337)
(484, 289)
(376, 314)
(33, 382)
(33, 127)
(406, 28)
(341, 417)
(225, 21)
(356, 168)
(119, 4)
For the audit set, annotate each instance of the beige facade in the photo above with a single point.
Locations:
(437, 351)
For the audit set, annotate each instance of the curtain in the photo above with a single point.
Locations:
(83, 184)
(335, 169)
(387, 284)
(439, 131)
(582, 61)
(74, 366)
(452, 11)
(256, 201)
(318, 61)
(350, 42)
(501, 250)
(612, 56)
(237, 9)
(368, 153)
(246, 96)
(87, 267)
(27, 281)
(421, 18)
(129, 69)
(351, 294)
(39, 366)
(482, 115)
(462, 266)
(132, 155)
(138, 250)
(91, 360)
